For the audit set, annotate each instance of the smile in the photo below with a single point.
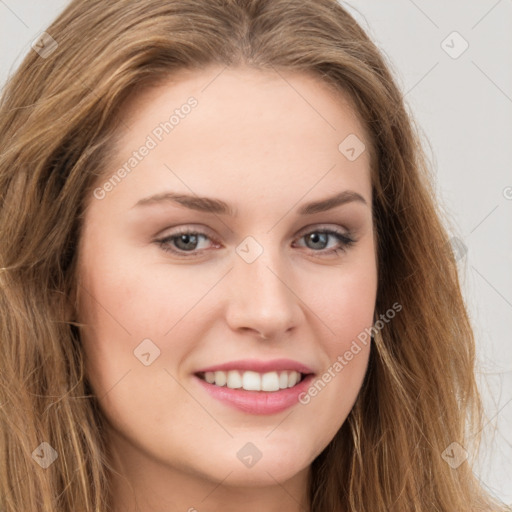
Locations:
(253, 381)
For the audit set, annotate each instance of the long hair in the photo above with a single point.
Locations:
(58, 124)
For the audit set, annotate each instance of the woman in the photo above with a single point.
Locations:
(174, 337)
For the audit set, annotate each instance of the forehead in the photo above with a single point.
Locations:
(270, 131)
(262, 97)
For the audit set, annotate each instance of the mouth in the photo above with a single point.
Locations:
(253, 381)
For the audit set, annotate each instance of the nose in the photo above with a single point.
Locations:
(261, 296)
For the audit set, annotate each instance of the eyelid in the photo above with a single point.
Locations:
(319, 226)
(187, 228)
(207, 231)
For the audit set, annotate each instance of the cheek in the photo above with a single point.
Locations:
(126, 294)
(345, 307)
(344, 300)
(331, 396)
(123, 310)
(332, 393)
(130, 308)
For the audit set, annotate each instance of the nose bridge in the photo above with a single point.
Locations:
(261, 298)
(261, 275)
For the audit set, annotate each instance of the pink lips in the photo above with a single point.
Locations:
(254, 365)
(258, 402)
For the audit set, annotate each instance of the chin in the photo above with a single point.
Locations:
(252, 467)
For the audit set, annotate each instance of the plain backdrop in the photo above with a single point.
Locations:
(453, 61)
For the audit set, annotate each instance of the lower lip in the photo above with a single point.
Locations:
(258, 402)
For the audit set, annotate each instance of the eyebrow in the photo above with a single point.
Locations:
(217, 206)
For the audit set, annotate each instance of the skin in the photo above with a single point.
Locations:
(266, 143)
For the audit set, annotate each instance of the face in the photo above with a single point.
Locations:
(260, 283)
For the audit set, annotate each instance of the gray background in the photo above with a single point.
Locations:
(463, 106)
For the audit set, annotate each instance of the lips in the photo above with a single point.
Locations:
(259, 366)
(256, 387)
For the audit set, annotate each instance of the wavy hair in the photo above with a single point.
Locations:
(58, 126)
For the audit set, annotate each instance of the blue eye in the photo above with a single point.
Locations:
(321, 237)
(185, 243)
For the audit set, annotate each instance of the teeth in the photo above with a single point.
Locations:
(293, 379)
(283, 380)
(220, 378)
(253, 381)
(270, 381)
(234, 380)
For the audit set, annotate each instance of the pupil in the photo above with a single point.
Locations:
(187, 240)
(315, 237)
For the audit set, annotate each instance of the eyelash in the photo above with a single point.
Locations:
(344, 239)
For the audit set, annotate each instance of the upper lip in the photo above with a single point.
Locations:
(259, 366)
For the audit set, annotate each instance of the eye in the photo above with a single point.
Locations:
(320, 237)
(184, 241)
(187, 242)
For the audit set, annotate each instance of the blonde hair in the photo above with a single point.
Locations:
(58, 125)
